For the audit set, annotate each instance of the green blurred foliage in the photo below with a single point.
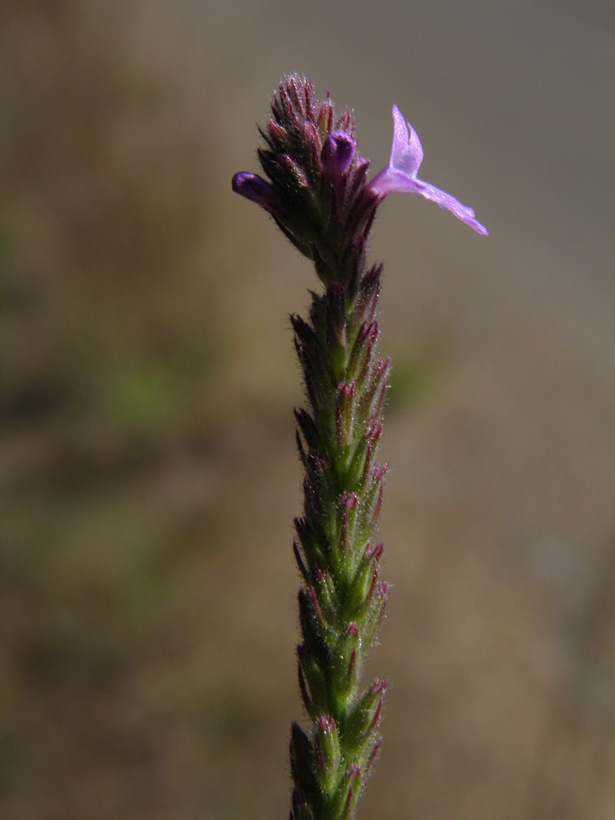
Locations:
(108, 336)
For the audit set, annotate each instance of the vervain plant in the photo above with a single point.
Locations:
(320, 198)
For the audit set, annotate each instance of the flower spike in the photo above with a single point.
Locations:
(400, 175)
(317, 192)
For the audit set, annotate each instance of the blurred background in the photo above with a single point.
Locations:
(148, 476)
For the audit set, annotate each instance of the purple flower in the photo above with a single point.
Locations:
(401, 174)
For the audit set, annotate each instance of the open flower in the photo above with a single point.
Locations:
(401, 174)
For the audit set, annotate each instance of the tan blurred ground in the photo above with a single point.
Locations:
(147, 473)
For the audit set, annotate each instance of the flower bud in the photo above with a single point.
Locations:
(337, 153)
(256, 189)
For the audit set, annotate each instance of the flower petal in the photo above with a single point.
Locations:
(392, 181)
(400, 176)
(407, 151)
(458, 209)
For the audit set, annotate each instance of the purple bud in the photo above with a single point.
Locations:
(337, 153)
(256, 189)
